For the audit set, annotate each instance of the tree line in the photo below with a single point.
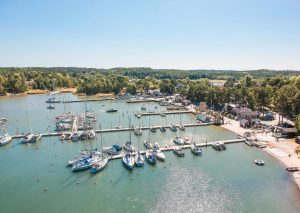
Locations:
(278, 90)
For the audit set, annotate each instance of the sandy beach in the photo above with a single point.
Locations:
(283, 149)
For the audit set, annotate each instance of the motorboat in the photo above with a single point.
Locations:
(153, 129)
(99, 165)
(218, 146)
(52, 100)
(178, 151)
(138, 115)
(31, 138)
(129, 147)
(112, 110)
(5, 139)
(162, 114)
(150, 157)
(139, 160)
(128, 161)
(148, 145)
(259, 162)
(162, 129)
(186, 140)
(173, 128)
(178, 140)
(196, 149)
(156, 146)
(143, 108)
(118, 126)
(51, 106)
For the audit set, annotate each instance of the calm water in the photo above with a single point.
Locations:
(215, 182)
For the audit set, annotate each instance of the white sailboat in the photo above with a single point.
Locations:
(102, 161)
(128, 146)
(139, 158)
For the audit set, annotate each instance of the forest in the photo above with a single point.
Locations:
(278, 90)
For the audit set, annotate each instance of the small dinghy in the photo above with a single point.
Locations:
(293, 169)
(259, 162)
(148, 145)
(178, 140)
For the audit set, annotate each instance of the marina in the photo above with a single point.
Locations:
(54, 181)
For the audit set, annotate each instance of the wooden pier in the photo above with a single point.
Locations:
(119, 130)
(171, 148)
(143, 100)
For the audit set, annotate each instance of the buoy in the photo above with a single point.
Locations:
(111, 180)
(38, 179)
(95, 183)
(45, 189)
(77, 182)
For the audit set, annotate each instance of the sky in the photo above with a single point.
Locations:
(177, 34)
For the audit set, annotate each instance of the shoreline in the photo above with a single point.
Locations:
(283, 150)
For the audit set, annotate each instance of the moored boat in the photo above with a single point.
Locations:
(173, 128)
(129, 147)
(139, 160)
(218, 146)
(178, 140)
(178, 151)
(5, 139)
(150, 157)
(162, 129)
(128, 161)
(99, 165)
(148, 145)
(196, 149)
(31, 138)
(293, 169)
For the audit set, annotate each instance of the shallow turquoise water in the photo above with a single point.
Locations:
(215, 182)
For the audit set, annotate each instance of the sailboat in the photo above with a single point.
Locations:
(194, 148)
(52, 99)
(30, 138)
(139, 159)
(119, 124)
(138, 131)
(128, 161)
(102, 162)
(5, 138)
(128, 146)
(150, 157)
(181, 127)
(158, 153)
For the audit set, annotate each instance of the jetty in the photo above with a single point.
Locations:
(117, 130)
(143, 100)
(88, 100)
(166, 113)
(171, 148)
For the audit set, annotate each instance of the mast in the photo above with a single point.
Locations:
(129, 129)
(101, 141)
(149, 131)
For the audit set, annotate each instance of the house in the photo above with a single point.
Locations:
(245, 113)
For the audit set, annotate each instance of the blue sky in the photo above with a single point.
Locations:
(184, 34)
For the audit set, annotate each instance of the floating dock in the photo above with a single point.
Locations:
(171, 148)
(119, 130)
